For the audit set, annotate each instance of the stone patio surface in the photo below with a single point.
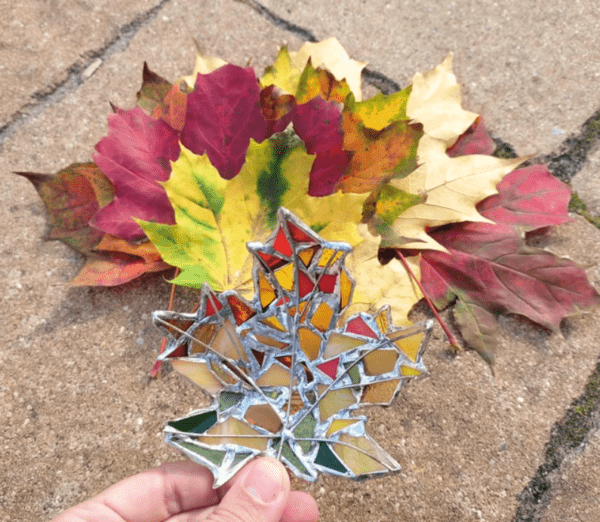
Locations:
(77, 407)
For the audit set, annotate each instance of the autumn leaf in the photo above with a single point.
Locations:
(135, 156)
(204, 65)
(282, 73)
(173, 107)
(216, 218)
(285, 371)
(153, 91)
(72, 198)
(320, 82)
(475, 140)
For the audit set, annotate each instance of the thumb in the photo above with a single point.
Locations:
(259, 495)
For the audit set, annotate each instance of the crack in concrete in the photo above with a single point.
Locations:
(76, 73)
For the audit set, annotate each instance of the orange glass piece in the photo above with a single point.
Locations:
(380, 393)
(329, 368)
(410, 346)
(321, 319)
(361, 455)
(225, 433)
(383, 320)
(262, 339)
(310, 342)
(203, 337)
(275, 376)
(305, 285)
(345, 289)
(240, 310)
(298, 235)
(302, 308)
(379, 362)
(281, 244)
(285, 277)
(308, 254)
(273, 322)
(264, 416)
(340, 424)
(327, 283)
(265, 290)
(198, 373)
(359, 327)
(334, 400)
(409, 372)
(339, 343)
(329, 257)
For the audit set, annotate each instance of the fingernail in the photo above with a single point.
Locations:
(265, 480)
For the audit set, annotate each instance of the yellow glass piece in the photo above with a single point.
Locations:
(310, 343)
(264, 416)
(275, 376)
(302, 310)
(380, 393)
(382, 320)
(222, 374)
(380, 361)
(227, 343)
(204, 335)
(409, 372)
(285, 277)
(273, 322)
(329, 254)
(198, 373)
(307, 255)
(339, 343)
(266, 291)
(345, 289)
(322, 317)
(227, 431)
(269, 341)
(340, 424)
(361, 455)
(334, 401)
(410, 346)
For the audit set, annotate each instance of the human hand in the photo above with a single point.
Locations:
(182, 492)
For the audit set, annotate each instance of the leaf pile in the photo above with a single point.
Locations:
(202, 165)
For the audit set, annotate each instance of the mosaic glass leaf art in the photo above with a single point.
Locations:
(285, 372)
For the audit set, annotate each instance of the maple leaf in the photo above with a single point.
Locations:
(204, 65)
(153, 91)
(284, 372)
(321, 82)
(135, 156)
(489, 269)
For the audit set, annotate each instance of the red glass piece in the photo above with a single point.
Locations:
(211, 303)
(305, 285)
(273, 262)
(283, 300)
(180, 351)
(286, 360)
(281, 243)
(259, 356)
(358, 326)
(327, 283)
(298, 235)
(330, 367)
(241, 311)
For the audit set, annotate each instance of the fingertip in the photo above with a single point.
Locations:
(301, 507)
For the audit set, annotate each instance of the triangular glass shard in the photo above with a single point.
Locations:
(198, 373)
(281, 243)
(272, 262)
(286, 360)
(269, 341)
(259, 356)
(305, 284)
(285, 277)
(340, 424)
(195, 424)
(299, 235)
(213, 305)
(329, 368)
(229, 399)
(240, 310)
(308, 254)
(273, 322)
(346, 285)
(203, 336)
(326, 458)
(338, 343)
(321, 318)
(266, 291)
(358, 326)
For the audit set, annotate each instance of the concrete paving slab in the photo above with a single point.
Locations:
(80, 411)
(587, 183)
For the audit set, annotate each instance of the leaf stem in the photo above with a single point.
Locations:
(158, 364)
(451, 339)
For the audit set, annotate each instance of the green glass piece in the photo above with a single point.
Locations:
(196, 424)
(327, 459)
(305, 430)
(271, 394)
(229, 399)
(293, 459)
(354, 374)
(214, 456)
(239, 457)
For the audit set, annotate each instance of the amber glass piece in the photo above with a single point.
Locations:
(286, 360)
(227, 343)
(409, 372)
(285, 277)
(264, 416)
(380, 393)
(329, 368)
(410, 345)
(310, 343)
(334, 400)
(273, 262)
(305, 285)
(339, 343)
(281, 244)
(225, 433)
(371, 459)
(298, 235)
(266, 291)
(259, 356)
(340, 424)
(213, 305)
(308, 254)
(262, 339)
(273, 322)
(359, 327)
(309, 375)
(297, 404)
(345, 289)
(327, 283)
(383, 320)
(321, 319)
(275, 376)
(176, 327)
(240, 310)
(203, 337)
(379, 362)
(198, 373)
(223, 375)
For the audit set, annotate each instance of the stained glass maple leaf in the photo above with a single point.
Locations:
(285, 375)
